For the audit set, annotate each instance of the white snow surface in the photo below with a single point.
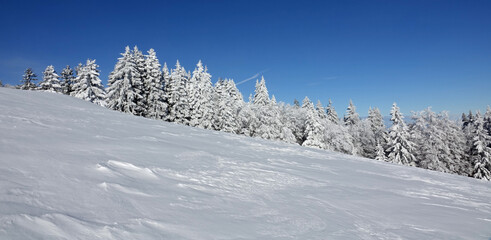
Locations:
(70, 169)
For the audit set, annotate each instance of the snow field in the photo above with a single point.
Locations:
(70, 169)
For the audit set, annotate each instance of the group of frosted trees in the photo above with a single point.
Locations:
(85, 85)
(140, 86)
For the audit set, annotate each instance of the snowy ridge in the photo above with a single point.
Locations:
(70, 169)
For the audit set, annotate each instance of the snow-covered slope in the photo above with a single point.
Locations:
(73, 170)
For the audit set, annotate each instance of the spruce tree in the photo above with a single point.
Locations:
(314, 130)
(480, 153)
(351, 117)
(176, 94)
(377, 125)
(124, 91)
(454, 144)
(399, 146)
(332, 115)
(51, 81)
(27, 82)
(487, 121)
(320, 110)
(266, 123)
(261, 96)
(429, 142)
(201, 97)
(68, 80)
(296, 103)
(380, 153)
(153, 81)
(226, 107)
(87, 85)
(353, 123)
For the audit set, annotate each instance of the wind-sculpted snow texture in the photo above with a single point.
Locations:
(70, 169)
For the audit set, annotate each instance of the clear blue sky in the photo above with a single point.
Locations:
(416, 53)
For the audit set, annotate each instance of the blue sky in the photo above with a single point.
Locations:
(416, 53)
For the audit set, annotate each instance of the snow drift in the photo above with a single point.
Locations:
(70, 169)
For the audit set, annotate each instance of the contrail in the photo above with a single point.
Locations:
(251, 78)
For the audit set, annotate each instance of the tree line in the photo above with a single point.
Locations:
(140, 86)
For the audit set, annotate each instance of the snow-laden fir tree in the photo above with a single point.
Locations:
(337, 138)
(139, 60)
(261, 96)
(429, 141)
(487, 120)
(465, 121)
(28, 79)
(399, 146)
(296, 103)
(227, 105)
(51, 81)
(377, 125)
(353, 123)
(375, 133)
(287, 126)
(87, 85)
(67, 80)
(454, 140)
(201, 97)
(176, 95)
(246, 119)
(140, 63)
(366, 142)
(154, 89)
(332, 115)
(124, 91)
(295, 117)
(480, 153)
(320, 110)
(314, 130)
(351, 117)
(380, 153)
(267, 124)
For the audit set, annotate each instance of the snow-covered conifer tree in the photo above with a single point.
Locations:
(124, 91)
(320, 110)
(296, 103)
(176, 93)
(454, 141)
(487, 120)
(201, 98)
(51, 81)
(153, 82)
(68, 80)
(140, 64)
(28, 79)
(351, 117)
(314, 130)
(399, 146)
(295, 118)
(377, 125)
(429, 143)
(287, 125)
(261, 96)
(266, 124)
(353, 123)
(380, 153)
(332, 115)
(228, 101)
(337, 138)
(246, 119)
(87, 85)
(480, 153)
